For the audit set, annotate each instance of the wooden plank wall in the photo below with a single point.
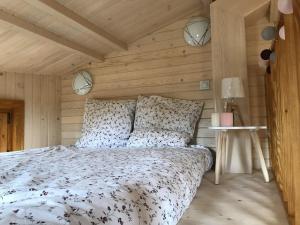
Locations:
(42, 105)
(256, 82)
(283, 94)
(161, 63)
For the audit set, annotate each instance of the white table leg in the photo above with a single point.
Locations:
(223, 156)
(226, 151)
(263, 166)
(218, 157)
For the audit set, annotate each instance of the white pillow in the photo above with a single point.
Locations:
(157, 138)
(107, 124)
(156, 112)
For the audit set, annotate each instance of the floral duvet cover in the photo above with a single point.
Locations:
(66, 185)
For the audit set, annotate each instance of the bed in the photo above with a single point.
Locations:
(130, 186)
(131, 166)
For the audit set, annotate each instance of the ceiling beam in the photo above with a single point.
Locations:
(70, 17)
(27, 26)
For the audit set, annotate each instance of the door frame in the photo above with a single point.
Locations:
(17, 110)
(5, 142)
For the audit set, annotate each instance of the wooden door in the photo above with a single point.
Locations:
(3, 132)
(12, 125)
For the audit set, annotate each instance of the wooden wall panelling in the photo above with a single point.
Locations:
(42, 105)
(229, 53)
(229, 45)
(161, 63)
(18, 126)
(229, 60)
(283, 92)
(256, 81)
(282, 160)
(3, 132)
(294, 38)
(292, 45)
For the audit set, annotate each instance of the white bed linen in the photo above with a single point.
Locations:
(65, 185)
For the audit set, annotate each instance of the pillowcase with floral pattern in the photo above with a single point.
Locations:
(106, 123)
(157, 138)
(156, 112)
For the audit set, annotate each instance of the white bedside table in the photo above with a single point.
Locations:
(222, 145)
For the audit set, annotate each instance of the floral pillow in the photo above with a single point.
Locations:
(157, 138)
(106, 124)
(156, 112)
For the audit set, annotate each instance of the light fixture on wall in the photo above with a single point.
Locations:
(197, 31)
(82, 83)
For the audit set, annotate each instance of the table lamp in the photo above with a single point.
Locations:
(232, 88)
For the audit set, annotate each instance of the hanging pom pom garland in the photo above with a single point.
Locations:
(265, 54)
(282, 33)
(273, 57)
(268, 33)
(285, 6)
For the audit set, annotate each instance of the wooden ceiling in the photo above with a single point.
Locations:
(56, 36)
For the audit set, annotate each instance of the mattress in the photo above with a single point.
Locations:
(66, 185)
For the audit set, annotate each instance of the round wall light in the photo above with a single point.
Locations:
(82, 83)
(197, 31)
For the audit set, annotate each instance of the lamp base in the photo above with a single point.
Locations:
(235, 109)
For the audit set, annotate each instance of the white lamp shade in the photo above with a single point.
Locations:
(232, 87)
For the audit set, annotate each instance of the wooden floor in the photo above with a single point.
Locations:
(239, 199)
